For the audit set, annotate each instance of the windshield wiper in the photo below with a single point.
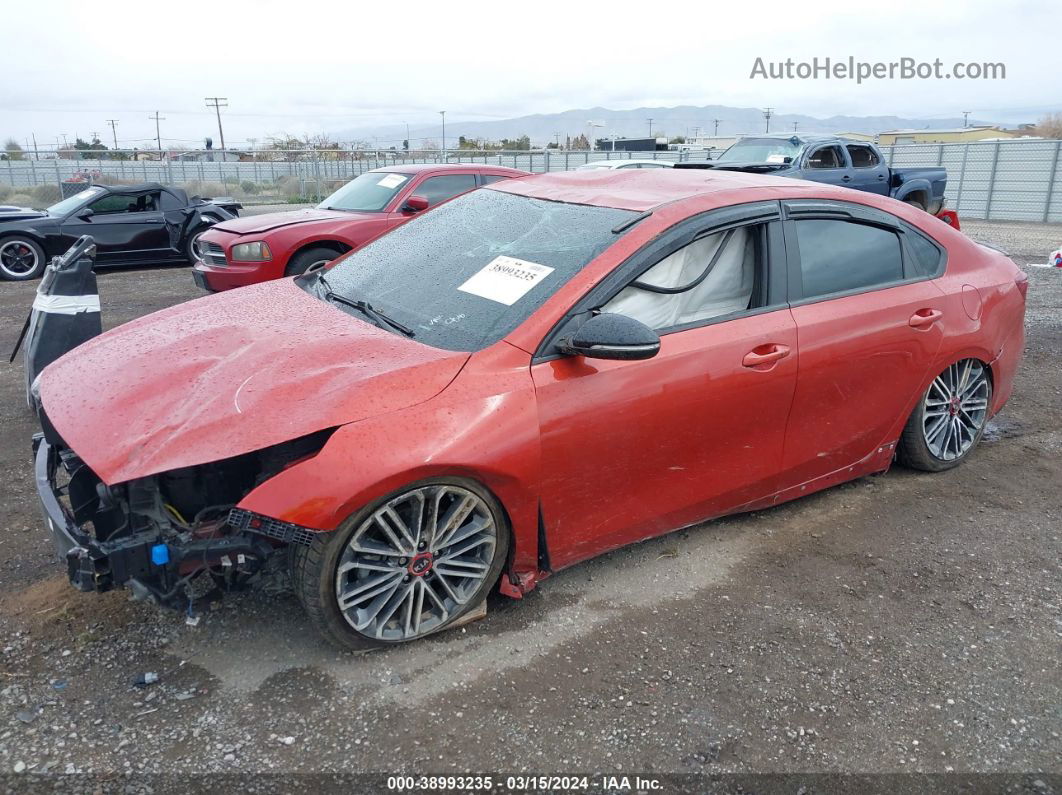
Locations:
(367, 309)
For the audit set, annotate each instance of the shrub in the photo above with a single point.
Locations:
(21, 200)
(47, 194)
(5, 191)
(249, 187)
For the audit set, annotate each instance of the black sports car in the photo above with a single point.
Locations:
(130, 224)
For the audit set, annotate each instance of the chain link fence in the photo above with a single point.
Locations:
(1014, 180)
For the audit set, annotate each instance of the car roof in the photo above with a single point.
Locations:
(638, 189)
(617, 162)
(419, 168)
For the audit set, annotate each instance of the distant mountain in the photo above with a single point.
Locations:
(681, 120)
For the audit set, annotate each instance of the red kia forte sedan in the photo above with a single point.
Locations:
(527, 376)
(264, 247)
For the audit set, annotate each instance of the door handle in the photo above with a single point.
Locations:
(764, 354)
(845, 178)
(881, 177)
(924, 318)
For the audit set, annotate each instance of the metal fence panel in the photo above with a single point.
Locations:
(1017, 180)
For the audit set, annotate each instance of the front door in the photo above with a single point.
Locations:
(126, 228)
(828, 164)
(632, 449)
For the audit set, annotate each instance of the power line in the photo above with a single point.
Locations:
(217, 103)
(158, 134)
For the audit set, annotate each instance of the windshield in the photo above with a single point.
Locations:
(761, 150)
(467, 273)
(368, 193)
(66, 205)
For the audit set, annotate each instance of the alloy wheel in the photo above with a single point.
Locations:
(193, 247)
(411, 566)
(17, 259)
(955, 409)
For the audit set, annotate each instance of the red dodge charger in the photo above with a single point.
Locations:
(264, 247)
(525, 377)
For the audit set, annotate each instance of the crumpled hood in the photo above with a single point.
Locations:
(263, 223)
(229, 374)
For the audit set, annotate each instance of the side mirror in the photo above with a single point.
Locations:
(612, 336)
(415, 204)
(85, 214)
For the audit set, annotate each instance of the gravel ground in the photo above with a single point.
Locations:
(907, 623)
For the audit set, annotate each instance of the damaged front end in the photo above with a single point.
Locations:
(156, 535)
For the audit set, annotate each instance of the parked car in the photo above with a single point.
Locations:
(614, 165)
(130, 224)
(525, 377)
(265, 247)
(834, 161)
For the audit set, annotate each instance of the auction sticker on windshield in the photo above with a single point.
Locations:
(506, 279)
(391, 181)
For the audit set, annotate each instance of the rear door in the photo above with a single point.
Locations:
(869, 172)
(868, 320)
(828, 163)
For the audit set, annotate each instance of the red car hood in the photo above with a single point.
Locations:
(263, 223)
(229, 374)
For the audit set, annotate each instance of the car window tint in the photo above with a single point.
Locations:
(839, 255)
(167, 201)
(113, 204)
(826, 157)
(862, 156)
(466, 274)
(487, 179)
(720, 274)
(437, 189)
(925, 255)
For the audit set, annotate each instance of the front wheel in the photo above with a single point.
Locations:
(949, 419)
(916, 204)
(404, 567)
(21, 259)
(193, 247)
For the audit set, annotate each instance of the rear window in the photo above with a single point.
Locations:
(837, 256)
(470, 271)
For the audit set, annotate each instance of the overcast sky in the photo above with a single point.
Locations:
(322, 66)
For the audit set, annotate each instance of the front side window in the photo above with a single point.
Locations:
(837, 256)
(713, 276)
(826, 157)
(114, 203)
(439, 189)
(369, 193)
(466, 274)
(862, 156)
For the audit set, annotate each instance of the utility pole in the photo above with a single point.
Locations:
(966, 118)
(217, 103)
(715, 122)
(556, 137)
(36, 154)
(795, 125)
(114, 131)
(443, 114)
(767, 115)
(158, 135)
(650, 127)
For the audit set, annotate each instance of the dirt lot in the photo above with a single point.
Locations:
(901, 623)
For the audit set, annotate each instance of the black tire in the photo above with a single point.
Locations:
(21, 259)
(914, 452)
(190, 241)
(310, 259)
(916, 204)
(314, 569)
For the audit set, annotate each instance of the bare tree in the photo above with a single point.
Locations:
(1050, 126)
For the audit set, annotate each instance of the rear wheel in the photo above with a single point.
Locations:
(949, 420)
(21, 259)
(312, 259)
(405, 566)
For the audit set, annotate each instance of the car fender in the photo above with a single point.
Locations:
(910, 187)
(482, 427)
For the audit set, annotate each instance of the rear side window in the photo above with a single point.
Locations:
(862, 156)
(926, 256)
(836, 256)
(438, 189)
(826, 157)
(487, 179)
